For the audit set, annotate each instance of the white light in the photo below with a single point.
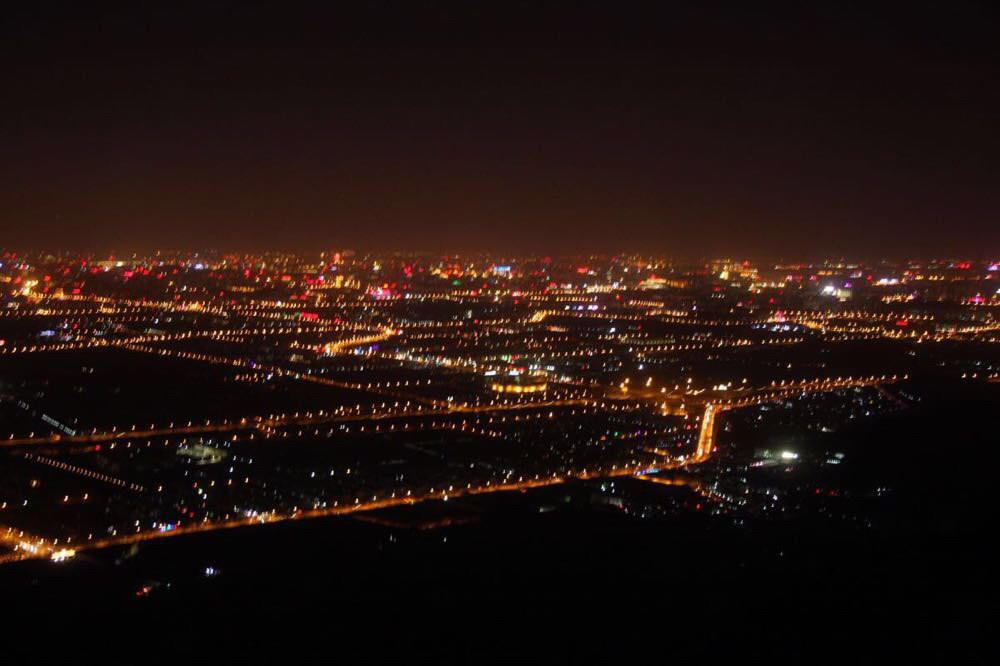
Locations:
(63, 554)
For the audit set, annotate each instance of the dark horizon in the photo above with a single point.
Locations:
(777, 130)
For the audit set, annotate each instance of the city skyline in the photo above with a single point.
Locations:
(525, 332)
(303, 442)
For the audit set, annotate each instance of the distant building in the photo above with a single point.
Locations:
(519, 384)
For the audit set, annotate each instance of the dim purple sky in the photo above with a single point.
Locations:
(764, 129)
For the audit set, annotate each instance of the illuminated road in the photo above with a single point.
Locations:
(42, 548)
(36, 547)
(259, 421)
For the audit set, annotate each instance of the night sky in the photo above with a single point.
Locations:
(793, 129)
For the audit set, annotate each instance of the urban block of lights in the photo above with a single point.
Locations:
(147, 396)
